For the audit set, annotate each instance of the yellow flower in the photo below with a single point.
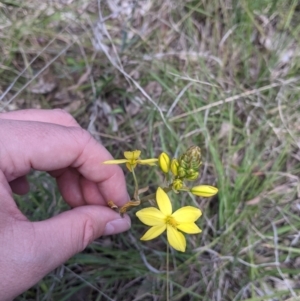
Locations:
(132, 159)
(204, 190)
(163, 219)
(164, 162)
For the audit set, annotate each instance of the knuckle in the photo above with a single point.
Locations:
(81, 135)
(85, 137)
(67, 117)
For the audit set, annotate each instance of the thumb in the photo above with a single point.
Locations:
(60, 237)
(70, 232)
(43, 246)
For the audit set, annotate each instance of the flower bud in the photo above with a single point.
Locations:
(174, 167)
(177, 184)
(181, 172)
(189, 163)
(184, 161)
(164, 162)
(204, 190)
(194, 152)
(192, 175)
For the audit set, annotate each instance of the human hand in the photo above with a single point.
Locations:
(52, 141)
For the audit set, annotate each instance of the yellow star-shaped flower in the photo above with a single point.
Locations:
(163, 219)
(132, 159)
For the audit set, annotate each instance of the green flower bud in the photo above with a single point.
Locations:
(181, 172)
(204, 190)
(189, 163)
(192, 176)
(164, 162)
(194, 154)
(177, 184)
(184, 161)
(174, 167)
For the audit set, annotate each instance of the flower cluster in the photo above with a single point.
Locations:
(186, 167)
(177, 171)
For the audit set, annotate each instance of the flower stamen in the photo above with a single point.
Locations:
(171, 221)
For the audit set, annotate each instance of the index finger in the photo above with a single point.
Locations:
(56, 116)
(50, 147)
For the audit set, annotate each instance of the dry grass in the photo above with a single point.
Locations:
(162, 76)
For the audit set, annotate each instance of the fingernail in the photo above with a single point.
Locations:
(116, 226)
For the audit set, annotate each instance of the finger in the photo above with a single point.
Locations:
(20, 185)
(43, 246)
(56, 116)
(77, 190)
(50, 147)
(91, 191)
(7, 204)
(68, 182)
(71, 231)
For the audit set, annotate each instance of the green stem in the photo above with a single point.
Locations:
(136, 186)
(167, 177)
(152, 195)
(167, 271)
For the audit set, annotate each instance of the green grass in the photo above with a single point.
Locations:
(222, 75)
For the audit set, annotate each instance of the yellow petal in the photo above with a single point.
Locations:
(190, 228)
(187, 214)
(163, 202)
(153, 232)
(176, 239)
(120, 161)
(151, 216)
(130, 166)
(164, 162)
(204, 190)
(148, 161)
(132, 155)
